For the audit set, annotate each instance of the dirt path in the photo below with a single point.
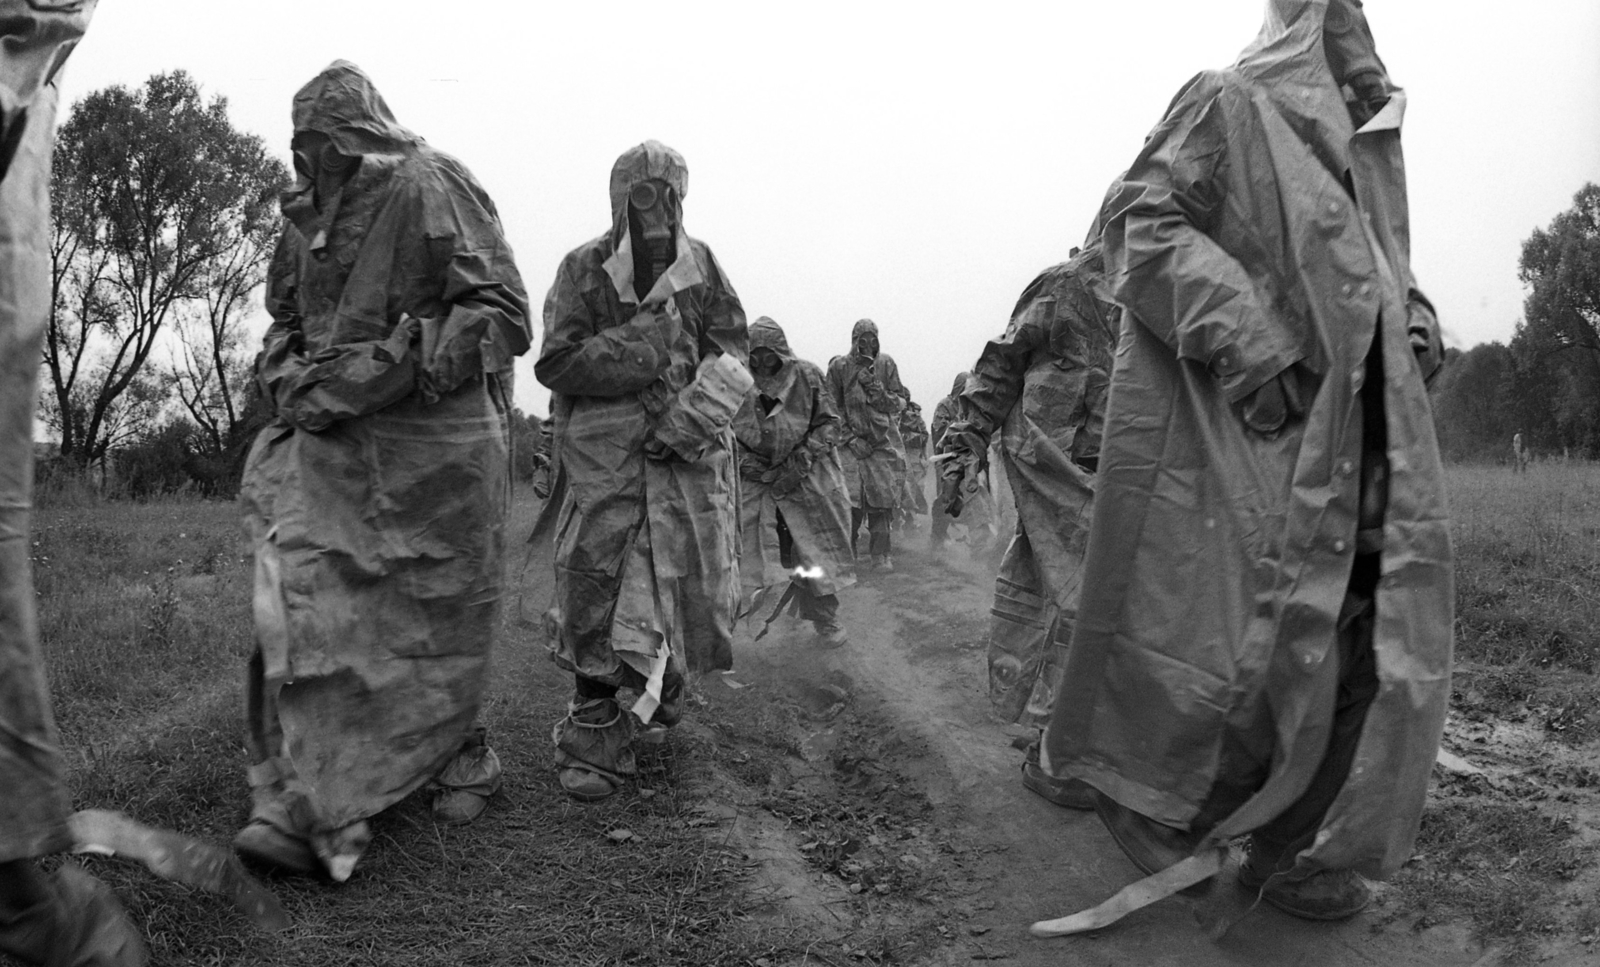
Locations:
(896, 829)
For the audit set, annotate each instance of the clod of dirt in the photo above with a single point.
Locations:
(821, 703)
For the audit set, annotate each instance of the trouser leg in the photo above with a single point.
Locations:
(878, 529)
(26, 911)
(1296, 827)
(68, 918)
(857, 515)
(1019, 625)
(820, 609)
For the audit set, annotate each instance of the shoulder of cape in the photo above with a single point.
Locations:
(1046, 285)
(585, 262)
(444, 188)
(809, 369)
(709, 266)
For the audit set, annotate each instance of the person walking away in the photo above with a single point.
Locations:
(1039, 391)
(948, 485)
(1263, 644)
(914, 482)
(377, 497)
(645, 349)
(794, 505)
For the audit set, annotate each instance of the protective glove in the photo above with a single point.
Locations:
(1423, 329)
(861, 447)
(656, 450)
(1274, 404)
(788, 478)
(752, 467)
(341, 382)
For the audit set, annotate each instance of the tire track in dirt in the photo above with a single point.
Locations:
(989, 857)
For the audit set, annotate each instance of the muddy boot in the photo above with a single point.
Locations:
(69, 919)
(341, 849)
(266, 845)
(594, 749)
(1067, 793)
(830, 634)
(883, 563)
(273, 839)
(1151, 846)
(1323, 895)
(465, 785)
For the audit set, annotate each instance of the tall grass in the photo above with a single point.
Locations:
(1528, 591)
(141, 606)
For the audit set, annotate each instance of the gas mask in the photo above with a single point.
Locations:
(867, 346)
(653, 223)
(765, 362)
(321, 166)
(1353, 58)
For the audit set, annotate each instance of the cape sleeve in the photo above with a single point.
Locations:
(580, 358)
(1182, 285)
(723, 328)
(338, 383)
(996, 382)
(891, 394)
(487, 323)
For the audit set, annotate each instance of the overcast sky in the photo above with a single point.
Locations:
(908, 162)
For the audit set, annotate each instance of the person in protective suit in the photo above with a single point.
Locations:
(67, 917)
(1264, 632)
(377, 497)
(965, 487)
(867, 392)
(914, 481)
(1041, 386)
(794, 506)
(645, 349)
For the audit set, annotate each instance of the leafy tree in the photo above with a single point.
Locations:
(160, 206)
(1557, 346)
(1471, 402)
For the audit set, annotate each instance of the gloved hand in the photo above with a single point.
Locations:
(788, 478)
(655, 316)
(752, 467)
(861, 447)
(867, 376)
(1423, 329)
(656, 450)
(1275, 404)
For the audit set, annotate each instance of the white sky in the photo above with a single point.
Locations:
(910, 162)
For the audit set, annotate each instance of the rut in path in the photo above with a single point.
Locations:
(918, 718)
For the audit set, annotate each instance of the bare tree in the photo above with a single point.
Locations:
(213, 362)
(158, 197)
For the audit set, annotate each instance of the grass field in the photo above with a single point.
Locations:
(1512, 850)
(144, 612)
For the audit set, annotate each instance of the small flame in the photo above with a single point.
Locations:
(807, 573)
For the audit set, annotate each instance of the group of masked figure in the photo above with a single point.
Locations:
(1226, 606)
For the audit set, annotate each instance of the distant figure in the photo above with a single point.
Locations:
(1519, 454)
(794, 506)
(946, 412)
(914, 481)
(377, 497)
(644, 347)
(1264, 632)
(867, 392)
